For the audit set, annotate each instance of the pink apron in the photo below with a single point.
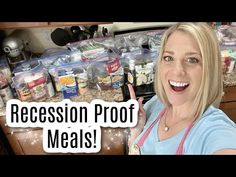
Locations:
(135, 148)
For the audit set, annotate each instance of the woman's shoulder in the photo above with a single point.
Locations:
(214, 120)
(216, 116)
(214, 131)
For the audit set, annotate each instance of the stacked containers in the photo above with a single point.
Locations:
(32, 82)
(141, 69)
(72, 78)
(60, 58)
(106, 74)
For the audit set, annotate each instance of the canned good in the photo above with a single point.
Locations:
(1, 102)
(7, 72)
(24, 93)
(82, 80)
(6, 93)
(3, 80)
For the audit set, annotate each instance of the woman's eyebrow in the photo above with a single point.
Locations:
(187, 53)
(193, 53)
(169, 52)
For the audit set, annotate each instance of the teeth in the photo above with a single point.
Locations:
(178, 84)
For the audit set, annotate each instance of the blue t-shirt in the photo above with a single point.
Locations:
(214, 131)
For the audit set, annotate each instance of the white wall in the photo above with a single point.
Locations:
(39, 38)
(116, 26)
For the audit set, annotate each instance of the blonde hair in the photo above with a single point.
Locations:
(211, 86)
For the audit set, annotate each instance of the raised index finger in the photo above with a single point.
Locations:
(131, 91)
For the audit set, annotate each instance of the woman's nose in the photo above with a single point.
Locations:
(179, 68)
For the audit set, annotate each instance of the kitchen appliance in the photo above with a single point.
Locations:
(16, 49)
(61, 37)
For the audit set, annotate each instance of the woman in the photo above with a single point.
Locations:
(180, 119)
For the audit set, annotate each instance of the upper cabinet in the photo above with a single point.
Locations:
(76, 23)
(15, 25)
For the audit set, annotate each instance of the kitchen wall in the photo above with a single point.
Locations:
(39, 39)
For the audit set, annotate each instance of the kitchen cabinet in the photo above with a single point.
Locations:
(30, 142)
(228, 102)
(17, 25)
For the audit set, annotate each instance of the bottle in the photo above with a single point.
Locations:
(51, 91)
(131, 73)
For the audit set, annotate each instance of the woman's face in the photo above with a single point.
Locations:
(181, 68)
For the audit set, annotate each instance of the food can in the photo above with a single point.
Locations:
(6, 93)
(1, 102)
(24, 92)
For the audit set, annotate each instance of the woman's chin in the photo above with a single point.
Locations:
(176, 103)
(176, 100)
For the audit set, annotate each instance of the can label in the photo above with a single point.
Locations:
(24, 93)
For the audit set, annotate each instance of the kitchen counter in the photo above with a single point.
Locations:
(28, 141)
(106, 95)
(230, 79)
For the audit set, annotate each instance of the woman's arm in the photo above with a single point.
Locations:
(135, 131)
(225, 152)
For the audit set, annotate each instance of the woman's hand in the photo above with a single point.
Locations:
(135, 131)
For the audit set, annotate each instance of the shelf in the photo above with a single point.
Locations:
(17, 25)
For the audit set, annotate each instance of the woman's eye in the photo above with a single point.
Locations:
(192, 60)
(168, 58)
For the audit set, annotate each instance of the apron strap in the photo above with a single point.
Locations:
(181, 145)
(143, 138)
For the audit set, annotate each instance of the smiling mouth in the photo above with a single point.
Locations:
(178, 86)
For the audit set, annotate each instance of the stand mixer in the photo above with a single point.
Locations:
(15, 51)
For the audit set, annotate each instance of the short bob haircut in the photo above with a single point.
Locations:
(211, 87)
